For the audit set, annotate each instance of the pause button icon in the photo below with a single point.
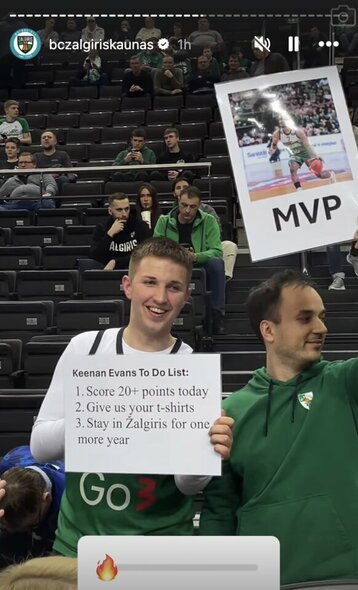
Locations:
(293, 43)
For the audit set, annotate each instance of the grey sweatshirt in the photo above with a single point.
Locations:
(15, 188)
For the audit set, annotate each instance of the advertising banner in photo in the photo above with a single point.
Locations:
(142, 413)
(294, 159)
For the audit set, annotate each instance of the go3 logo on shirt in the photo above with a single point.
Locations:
(146, 495)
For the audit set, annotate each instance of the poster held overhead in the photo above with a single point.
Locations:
(294, 159)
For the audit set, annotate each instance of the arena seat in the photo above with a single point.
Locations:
(10, 362)
(7, 284)
(83, 135)
(63, 257)
(104, 105)
(98, 119)
(39, 362)
(24, 319)
(18, 410)
(196, 115)
(132, 104)
(83, 92)
(135, 118)
(5, 236)
(36, 236)
(168, 102)
(106, 151)
(195, 100)
(53, 285)
(110, 91)
(53, 93)
(20, 257)
(65, 120)
(17, 217)
(167, 116)
(95, 215)
(78, 235)
(73, 317)
(74, 105)
(59, 217)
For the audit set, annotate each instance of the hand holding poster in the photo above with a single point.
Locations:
(145, 414)
(294, 159)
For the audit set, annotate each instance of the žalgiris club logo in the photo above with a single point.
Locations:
(25, 43)
(305, 399)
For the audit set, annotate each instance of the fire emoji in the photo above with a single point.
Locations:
(107, 571)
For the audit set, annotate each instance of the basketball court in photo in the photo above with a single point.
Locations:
(266, 180)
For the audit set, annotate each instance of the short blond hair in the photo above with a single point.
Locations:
(41, 573)
(160, 248)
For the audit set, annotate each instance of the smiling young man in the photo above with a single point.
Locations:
(117, 504)
(293, 472)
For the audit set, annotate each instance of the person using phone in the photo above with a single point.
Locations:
(136, 154)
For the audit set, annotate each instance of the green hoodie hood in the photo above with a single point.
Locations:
(263, 384)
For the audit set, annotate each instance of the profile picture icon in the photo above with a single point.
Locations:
(25, 44)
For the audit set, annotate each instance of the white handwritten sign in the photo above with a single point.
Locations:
(142, 413)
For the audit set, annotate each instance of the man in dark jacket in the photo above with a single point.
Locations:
(113, 242)
(136, 81)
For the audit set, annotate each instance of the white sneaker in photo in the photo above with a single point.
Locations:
(337, 284)
(353, 260)
(332, 178)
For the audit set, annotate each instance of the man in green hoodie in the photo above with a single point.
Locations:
(199, 233)
(293, 472)
(136, 154)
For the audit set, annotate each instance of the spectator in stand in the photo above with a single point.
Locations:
(136, 82)
(113, 242)
(230, 249)
(214, 66)
(202, 82)
(148, 31)
(22, 185)
(169, 80)
(136, 154)
(176, 37)
(151, 59)
(173, 155)
(50, 157)
(267, 63)
(30, 496)
(48, 32)
(12, 150)
(92, 32)
(206, 37)
(314, 55)
(235, 71)
(147, 205)
(244, 62)
(14, 126)
(71, 33)
(125, 33)
(199, 233)
(91, 71)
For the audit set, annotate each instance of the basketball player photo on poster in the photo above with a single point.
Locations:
(294, 159)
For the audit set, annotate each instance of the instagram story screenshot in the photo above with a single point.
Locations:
(179, 295)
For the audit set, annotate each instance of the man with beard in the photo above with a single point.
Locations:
(50, 157)
(113, 242)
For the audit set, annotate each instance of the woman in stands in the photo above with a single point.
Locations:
(147, 205)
